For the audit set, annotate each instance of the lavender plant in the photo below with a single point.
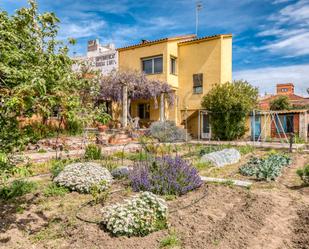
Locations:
(165, 176)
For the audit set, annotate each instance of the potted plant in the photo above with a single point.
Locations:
(102, 120)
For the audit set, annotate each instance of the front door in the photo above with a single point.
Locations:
(205, 126)
(255, 127)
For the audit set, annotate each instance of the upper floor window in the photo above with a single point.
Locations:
(173, 65)
(198, 83)
(153, 65)
(284, 89)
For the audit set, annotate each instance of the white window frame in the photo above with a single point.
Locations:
(171, 65)
(152, 63)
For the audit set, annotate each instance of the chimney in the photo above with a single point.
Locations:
(144, 41)
(285, 89)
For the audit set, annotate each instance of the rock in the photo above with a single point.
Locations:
(222, 157)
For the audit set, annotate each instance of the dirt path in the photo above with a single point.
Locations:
(283, 222)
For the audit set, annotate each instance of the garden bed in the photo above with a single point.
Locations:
(216, 215)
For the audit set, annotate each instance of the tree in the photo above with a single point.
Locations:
(137, 86)
(228, 105)
(36, 74)
(280, 103)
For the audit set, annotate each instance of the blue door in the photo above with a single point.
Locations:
(255, 127)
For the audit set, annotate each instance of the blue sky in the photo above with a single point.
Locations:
(271, 37)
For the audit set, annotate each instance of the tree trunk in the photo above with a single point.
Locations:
(124, 106)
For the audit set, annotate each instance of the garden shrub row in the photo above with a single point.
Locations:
(268, 168)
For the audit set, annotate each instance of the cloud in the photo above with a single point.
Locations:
(290, 30)
(81, 29)
(267, 78)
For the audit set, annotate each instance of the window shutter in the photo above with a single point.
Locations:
(198, 80)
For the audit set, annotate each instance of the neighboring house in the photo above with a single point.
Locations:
(274, 125)
(192, 66)
(102, 58)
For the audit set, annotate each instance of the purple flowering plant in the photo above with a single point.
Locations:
(165, 176)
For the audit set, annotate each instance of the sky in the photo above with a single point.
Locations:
(270, 37)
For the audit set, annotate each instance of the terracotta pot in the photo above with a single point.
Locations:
(102, 128)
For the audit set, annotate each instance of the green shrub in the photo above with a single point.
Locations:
(93, 152)
(167, 131)
(53, 190)
(17, 188)
(57, 167)
(304, 174)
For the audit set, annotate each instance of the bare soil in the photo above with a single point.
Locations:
(268, 215)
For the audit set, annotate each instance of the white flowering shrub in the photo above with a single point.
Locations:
(138, 216)
(82, 177)
(222, 157)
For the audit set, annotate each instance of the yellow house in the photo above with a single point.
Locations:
(190, 65)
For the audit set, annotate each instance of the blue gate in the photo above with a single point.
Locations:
(255, 127)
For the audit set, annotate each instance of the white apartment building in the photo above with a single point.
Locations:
(103, 58)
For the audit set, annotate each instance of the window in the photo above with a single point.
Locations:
(144, 111)
(284, 89)
(152, 65)
(285, 123)
(173, 65)
(198, 83)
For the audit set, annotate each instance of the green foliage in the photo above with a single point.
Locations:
(170, 241)
(54, 190)
(36, 78)
(304, 174)
(229, 104)
(56, 167)
(280, 103)
(93, 152)
(246, 149)
(268, 168)
(167, 131)
(100, 192)
(17, 188)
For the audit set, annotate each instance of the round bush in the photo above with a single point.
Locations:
(82, 177)
(165, 176)
(140, 215)
(167, 131)
(120, 172)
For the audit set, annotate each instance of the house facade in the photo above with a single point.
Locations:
(278, 125)
(190, 65)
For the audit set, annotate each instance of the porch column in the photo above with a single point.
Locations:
(124, 106)
(162, 107)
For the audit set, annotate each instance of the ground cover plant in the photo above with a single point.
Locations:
(138, 216)
(82, 177)
(17, 188)
(304, 174)
(165, 176)
(268, 168)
